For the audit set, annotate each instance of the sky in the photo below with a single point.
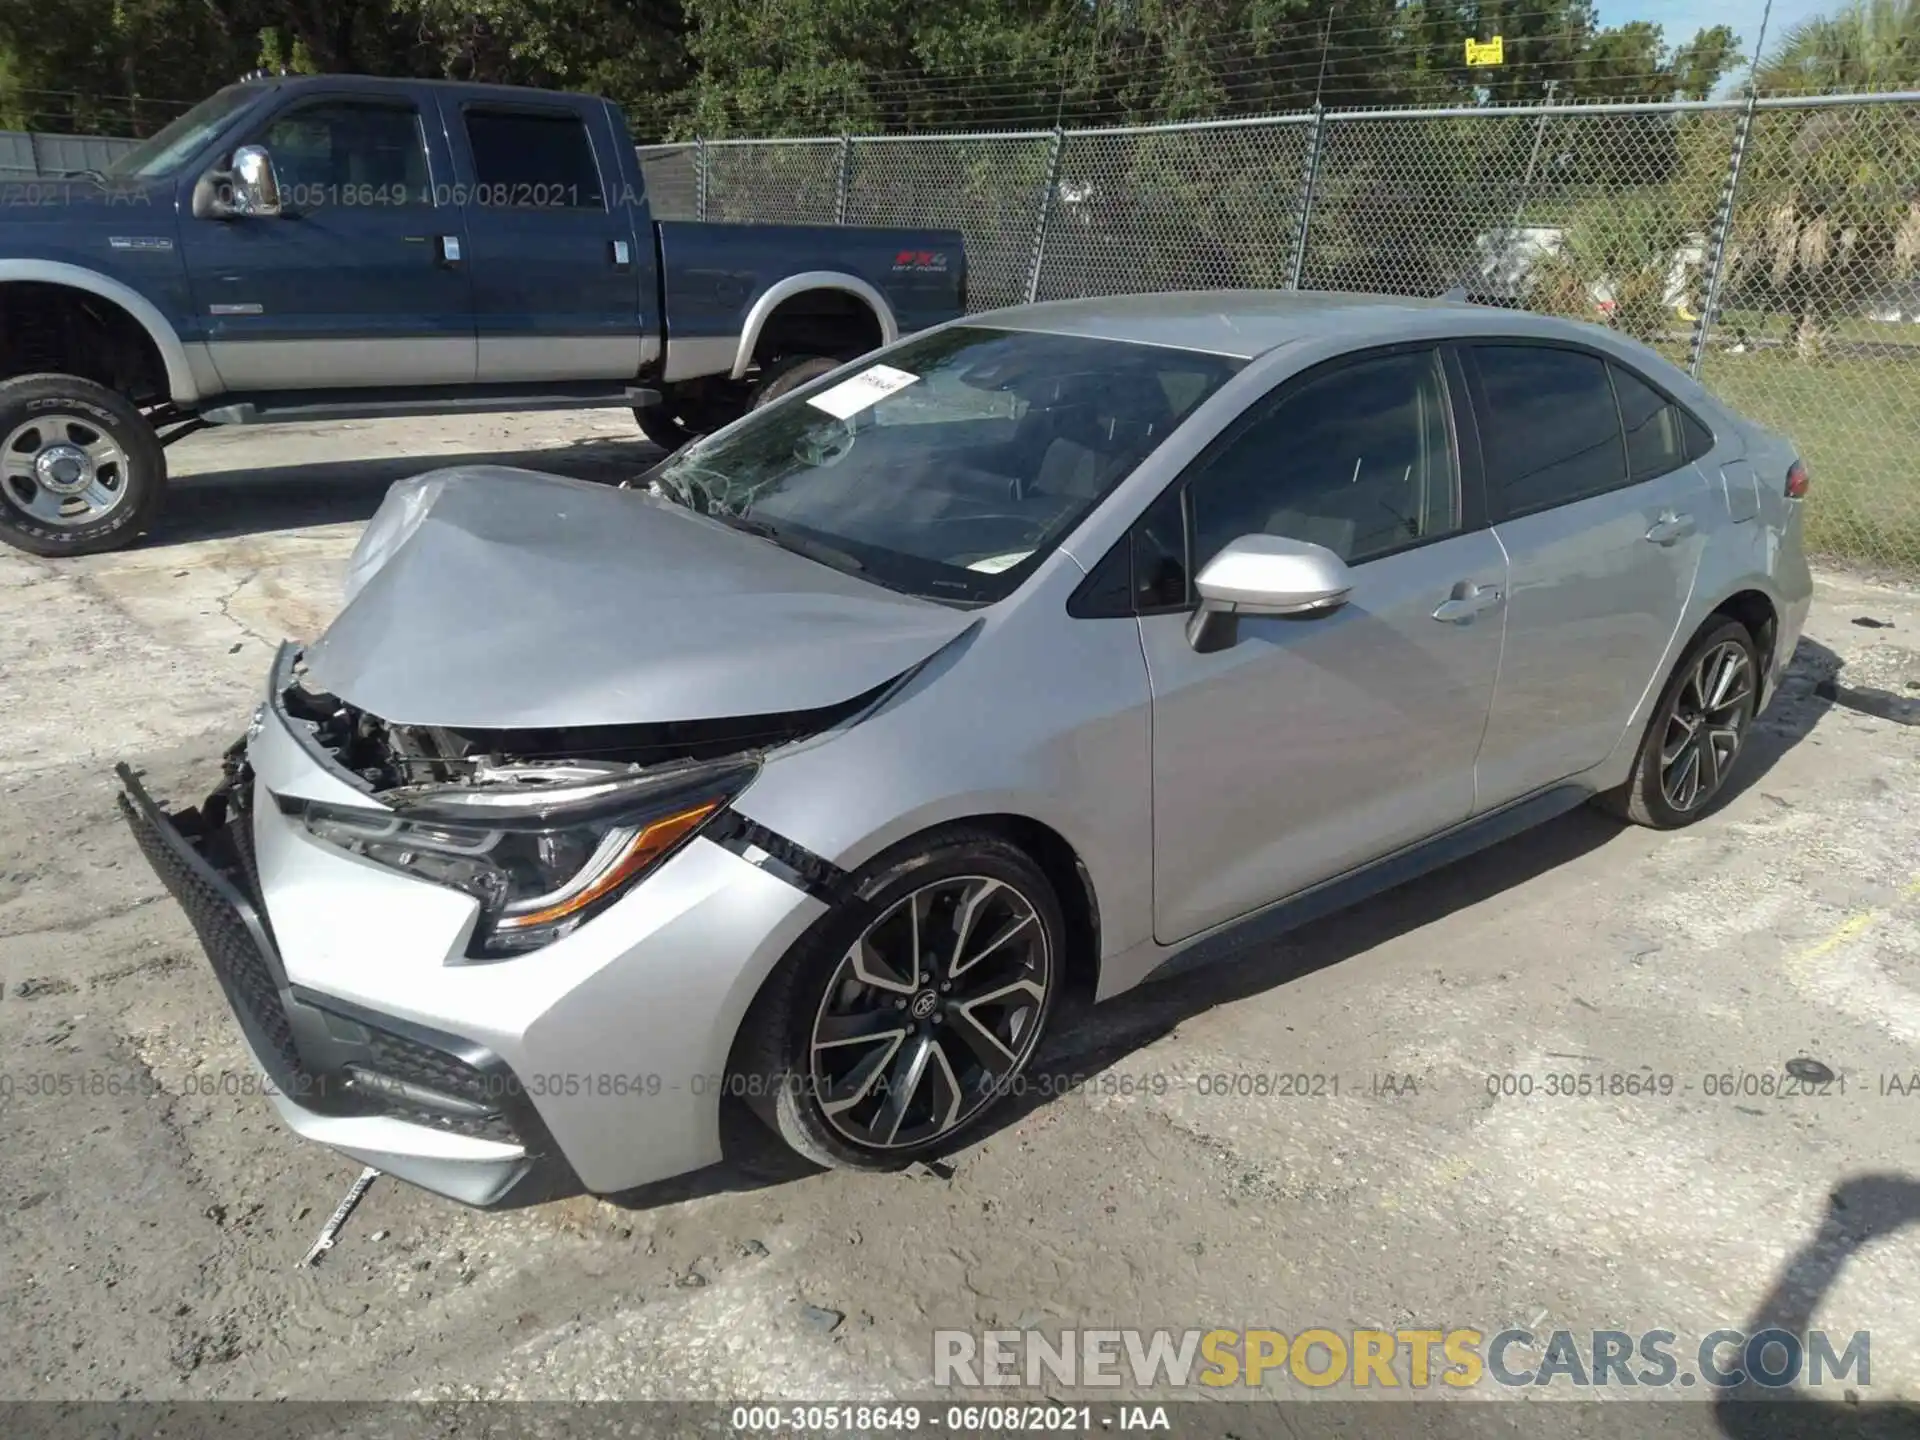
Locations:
(1679, 19)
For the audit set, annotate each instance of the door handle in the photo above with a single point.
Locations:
(446, 248)
(622, 254)
(1671, 528)
(1467, 601)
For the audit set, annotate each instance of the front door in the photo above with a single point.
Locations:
(1313, 745)
(1604, 524)
(556, 268)
(356, 282)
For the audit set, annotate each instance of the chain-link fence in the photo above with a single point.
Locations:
(1772, 245)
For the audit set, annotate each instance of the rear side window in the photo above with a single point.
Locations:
(1661, 437)
(532, 161)
(1549, 429)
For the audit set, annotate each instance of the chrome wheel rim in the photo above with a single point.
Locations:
(63, 470)
(1705, 726)
(931, 1013)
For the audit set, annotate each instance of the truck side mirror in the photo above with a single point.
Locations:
(248, 187)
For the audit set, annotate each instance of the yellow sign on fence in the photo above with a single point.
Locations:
(1485, 52)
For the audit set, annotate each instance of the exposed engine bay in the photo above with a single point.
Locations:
(418, 758)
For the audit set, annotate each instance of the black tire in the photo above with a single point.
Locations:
(773, 1067)
(790, 372)
(664, 426)
(138, 479)
(1679, 722)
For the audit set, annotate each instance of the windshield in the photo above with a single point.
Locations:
(953, 466)
(169, 148)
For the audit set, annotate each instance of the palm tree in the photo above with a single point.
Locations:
(1835, 194)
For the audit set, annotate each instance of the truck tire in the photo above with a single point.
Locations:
(790, 372)
(81, 471)
(665, 426)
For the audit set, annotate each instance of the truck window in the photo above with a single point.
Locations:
(349, 152)
(526, 159)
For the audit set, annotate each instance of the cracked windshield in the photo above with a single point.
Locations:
(950, 469)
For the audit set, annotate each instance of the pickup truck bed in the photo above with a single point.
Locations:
(322, 246)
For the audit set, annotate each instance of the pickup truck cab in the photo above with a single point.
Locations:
(321, 247)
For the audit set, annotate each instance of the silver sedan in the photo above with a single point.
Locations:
(825, 767)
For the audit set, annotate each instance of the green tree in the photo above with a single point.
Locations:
(1829, 213)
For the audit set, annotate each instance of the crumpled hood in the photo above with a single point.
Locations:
(485, 597)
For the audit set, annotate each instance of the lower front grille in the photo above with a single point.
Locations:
(230, 931)
(326, 1054)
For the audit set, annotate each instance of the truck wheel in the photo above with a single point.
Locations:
(790, 372)
(81, 471)
(665, 426)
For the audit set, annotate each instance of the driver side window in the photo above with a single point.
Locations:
(349, 152)
(1358, 459)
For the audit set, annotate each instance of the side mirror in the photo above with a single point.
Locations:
(1265, 575)
(247, 187)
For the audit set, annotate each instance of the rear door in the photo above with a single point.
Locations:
(551, 248)
(350, 285)
(1604, 525)
(1315, 744)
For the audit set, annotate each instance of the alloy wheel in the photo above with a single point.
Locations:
(931, 1012)
(63, 470)
(1705, 726)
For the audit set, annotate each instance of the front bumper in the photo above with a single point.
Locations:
(443, 1112)
(596, 1063)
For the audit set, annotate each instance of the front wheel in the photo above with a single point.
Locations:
(1696, 734)
(81, 470)
(789, 372)
(906, 1015)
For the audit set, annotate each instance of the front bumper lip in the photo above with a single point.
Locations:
(426, 1106)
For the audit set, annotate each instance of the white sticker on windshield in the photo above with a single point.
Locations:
(869, 387)
(994, 564)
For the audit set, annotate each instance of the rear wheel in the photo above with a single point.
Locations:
(903, 1018)
(1697, 731)
(81, 471)
(790, 372)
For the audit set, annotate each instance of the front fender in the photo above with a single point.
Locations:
(183, 381)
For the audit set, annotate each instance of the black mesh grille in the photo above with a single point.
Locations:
(400, 1058)
(230, 945)
(215, 877)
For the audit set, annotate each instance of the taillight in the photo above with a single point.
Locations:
(1797, 480)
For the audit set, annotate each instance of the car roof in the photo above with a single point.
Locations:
(377, 84)
(1249, 323)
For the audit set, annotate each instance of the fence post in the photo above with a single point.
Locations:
(1309, 181)
(1717, 245)
(700, 177)
(1045, 209)
(843, 180)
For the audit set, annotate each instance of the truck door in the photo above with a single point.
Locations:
(553, 255)
(357, 281)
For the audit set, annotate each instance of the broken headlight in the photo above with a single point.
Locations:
(541, 858)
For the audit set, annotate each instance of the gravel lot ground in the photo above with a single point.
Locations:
(149, 1230)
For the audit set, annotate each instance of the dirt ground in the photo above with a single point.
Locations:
(150, 1222)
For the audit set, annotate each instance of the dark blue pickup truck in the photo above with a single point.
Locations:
(318, 247)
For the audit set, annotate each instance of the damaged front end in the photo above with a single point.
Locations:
(324, 1057)
(542, 827)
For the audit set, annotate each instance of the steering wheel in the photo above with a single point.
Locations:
(825, 445)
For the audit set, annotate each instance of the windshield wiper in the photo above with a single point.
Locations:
(788, 540)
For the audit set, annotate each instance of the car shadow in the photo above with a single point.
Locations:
(1860, 1211)
(1087, 1039)
(226, 504)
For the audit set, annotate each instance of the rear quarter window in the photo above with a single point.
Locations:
(1549, 428)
